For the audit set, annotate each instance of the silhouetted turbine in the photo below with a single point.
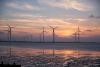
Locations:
(78, 34)
(75, 36)
(40, 37)
(53, 33)
(10, 36)
(43, 34)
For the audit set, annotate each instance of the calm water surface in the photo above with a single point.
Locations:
(63, 49)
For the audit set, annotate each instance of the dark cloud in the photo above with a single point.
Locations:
(94, 16)
(89, 30)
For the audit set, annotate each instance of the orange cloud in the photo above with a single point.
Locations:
(65, 28)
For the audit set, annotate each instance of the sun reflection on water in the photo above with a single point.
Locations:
(31, 52)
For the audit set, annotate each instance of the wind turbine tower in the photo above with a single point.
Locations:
(10, 36)
(78, 34)
(43, 34)
(53, 33)
(75, 36)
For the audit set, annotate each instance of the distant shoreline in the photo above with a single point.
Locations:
(48, 42)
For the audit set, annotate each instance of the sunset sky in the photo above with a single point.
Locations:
(30, 16)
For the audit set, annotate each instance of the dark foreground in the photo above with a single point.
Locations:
(9, 65)
(48, 61)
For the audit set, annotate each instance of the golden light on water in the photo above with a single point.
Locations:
(65, 53)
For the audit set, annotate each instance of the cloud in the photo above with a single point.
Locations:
(39, 21)
(22, 6)
(93, 16)
(67, 4)
(29, 20)
(21, 15)
(88, 30)
(25, 15)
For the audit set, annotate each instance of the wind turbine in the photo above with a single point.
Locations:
(10, 36)
(40, 37)
(75, 36)
(78, 34)
(10, 32)
(53, 33)
(43, 34)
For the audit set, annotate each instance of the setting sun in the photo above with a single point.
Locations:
(65, 33)
(68, 52)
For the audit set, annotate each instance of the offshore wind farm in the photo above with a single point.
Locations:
(49, 33)
(11, 49)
